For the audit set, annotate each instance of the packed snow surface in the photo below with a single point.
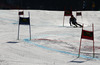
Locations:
(51, 43)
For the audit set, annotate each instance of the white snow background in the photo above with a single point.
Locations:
(51, 44)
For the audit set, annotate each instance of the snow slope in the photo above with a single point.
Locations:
(51, 44)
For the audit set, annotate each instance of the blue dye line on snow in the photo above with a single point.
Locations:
(28, 41)
(15, 23)
(83, 56)
(8, 19)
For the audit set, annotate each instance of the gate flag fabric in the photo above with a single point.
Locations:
(24, 21)
(21, 13)
(78, 14)
(67, 13)
(87, 34)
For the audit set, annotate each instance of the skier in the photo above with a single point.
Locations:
(73, 21)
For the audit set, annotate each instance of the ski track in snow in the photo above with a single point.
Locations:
(30, 42)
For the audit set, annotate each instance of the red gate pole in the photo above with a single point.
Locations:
(81, 15)
(93, 41)
(18, 26)
(79, 48)
(80, 44)
(29, 25)
(63, 20)
(64, 16)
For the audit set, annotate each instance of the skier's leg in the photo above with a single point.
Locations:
(76, 25)
(79, 25)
